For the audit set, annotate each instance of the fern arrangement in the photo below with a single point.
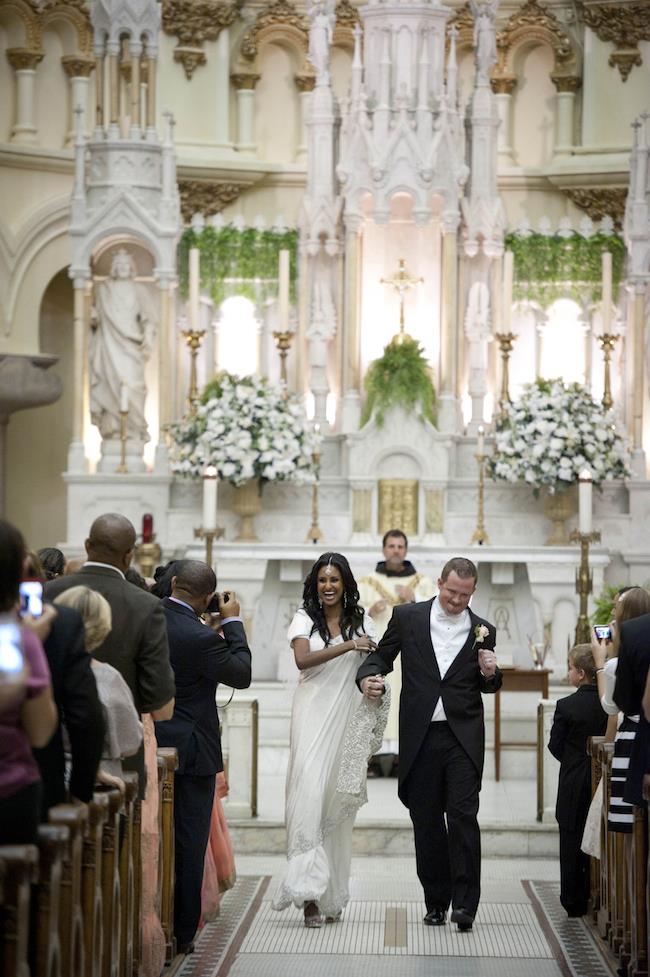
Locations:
(401, 377)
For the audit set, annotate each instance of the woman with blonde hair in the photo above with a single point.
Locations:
(123, 726)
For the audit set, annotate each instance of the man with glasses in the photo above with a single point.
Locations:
(448, 660)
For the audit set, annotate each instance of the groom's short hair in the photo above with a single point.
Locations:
(463, 567)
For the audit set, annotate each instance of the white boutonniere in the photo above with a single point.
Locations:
(480, 634)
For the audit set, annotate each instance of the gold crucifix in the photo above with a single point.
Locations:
(401, 282)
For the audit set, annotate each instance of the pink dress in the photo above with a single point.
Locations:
(219, 868)
(153, 938)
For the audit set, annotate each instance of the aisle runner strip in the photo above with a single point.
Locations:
(576, 949)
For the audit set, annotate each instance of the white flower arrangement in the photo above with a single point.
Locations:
(247, 429)
(551, 433)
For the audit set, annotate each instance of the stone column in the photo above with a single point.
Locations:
(113, 50)
(165, 383)
(245, 85)
(76, 453)
(100, 69)
(78, 71)
(24, 63)
(447, 415)
(566, 86)
(503, 89)
(351, 340)
(221, 93)
(151, 98)
(305, 84)
(135, 51)
(638, 384)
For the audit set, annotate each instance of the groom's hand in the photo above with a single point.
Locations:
(487, 662)
(372, 686)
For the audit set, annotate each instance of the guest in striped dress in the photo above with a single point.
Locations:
(631, 602)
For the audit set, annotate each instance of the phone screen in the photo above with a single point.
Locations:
(31, 598)
(11, 648)
(603, 632)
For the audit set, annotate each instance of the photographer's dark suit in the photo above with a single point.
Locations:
(631, 673)
(440, 763)
(201, 659)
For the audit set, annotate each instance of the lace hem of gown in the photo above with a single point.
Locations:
(307, 875)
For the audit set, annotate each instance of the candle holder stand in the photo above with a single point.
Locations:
(480, 536)
(283, 339)
(315, 533)
(506, 341)
(193, 339)
(607, 342)
(209, 535)
(122, 468)
(584, 583)
(147, 556)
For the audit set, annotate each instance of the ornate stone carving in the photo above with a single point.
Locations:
(361, 510)
(76, 12)
(206, 197)
(275, 20)
(503, 85)
(622, 25)
(532, 22)
(566, 83)
(245, 80)
(434, 510)
(347, 15)
(305, 80)
(193, 22)
(600, 202)
(463, 22)
(398, 504)
(21, 59)
(75, 67)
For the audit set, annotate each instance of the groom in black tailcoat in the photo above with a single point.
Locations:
(447, 661)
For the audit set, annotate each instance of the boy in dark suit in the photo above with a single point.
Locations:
(577, 717)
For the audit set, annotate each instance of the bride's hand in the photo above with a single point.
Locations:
(364, 643)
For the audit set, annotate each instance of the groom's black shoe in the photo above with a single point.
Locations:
(435, 917)
(463, 918)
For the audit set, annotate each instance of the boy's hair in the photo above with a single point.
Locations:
(581, 656)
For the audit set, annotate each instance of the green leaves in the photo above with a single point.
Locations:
(399, 378)
(235, 262)
(549, 267)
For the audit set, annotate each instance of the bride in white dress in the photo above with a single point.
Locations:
(333, 732)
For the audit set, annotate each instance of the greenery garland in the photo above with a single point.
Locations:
(238, 262)
(552, 266)
(401, 377)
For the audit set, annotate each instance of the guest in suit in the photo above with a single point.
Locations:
(137, 643)
(448, 660)
(201, 659)
(631, 675)
(577, 717)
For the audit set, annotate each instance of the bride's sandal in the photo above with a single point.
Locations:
(313, 917)
(336, 918)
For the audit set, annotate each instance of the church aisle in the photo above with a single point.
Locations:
(520, 929)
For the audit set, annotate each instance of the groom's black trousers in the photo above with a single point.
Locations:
(444, 781)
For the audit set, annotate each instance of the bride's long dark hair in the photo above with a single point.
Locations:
(352, 613)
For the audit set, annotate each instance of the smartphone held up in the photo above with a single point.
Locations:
(31, 598)
(603, 632)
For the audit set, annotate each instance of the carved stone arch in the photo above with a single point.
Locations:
(18, 13)
(347, 19)
(463, 22)
(71, 18)
(278, 23)
(531, 25)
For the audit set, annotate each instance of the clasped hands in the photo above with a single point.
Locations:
(487, 662)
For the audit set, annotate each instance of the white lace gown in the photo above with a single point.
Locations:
(319, 818)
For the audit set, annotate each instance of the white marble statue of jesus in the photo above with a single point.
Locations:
(322, 16)
(120, 346)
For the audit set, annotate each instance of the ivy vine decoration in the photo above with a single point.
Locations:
(552, 266)
(401, 377)
(238, 262)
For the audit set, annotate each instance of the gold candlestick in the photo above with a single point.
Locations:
(283, 339)
(122, 468)
(480, 536)
(506, 341)
(584, 584)
(147, 556)
(607, 341)
(209, 535)
(193, 339)
(315, 533)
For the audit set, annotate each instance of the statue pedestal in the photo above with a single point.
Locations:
(112, 455)
(131, 495)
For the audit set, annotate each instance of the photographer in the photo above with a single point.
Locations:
(201, 658)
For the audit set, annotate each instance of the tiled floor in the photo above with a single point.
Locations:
(516, 934)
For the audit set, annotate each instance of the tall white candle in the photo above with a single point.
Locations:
(195, 288)
(124, 398)
(585, 487)
(480, 447)
(508, 278)
(283, 291)
(606, 312)
(210, 483)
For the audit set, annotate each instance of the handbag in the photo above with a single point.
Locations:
(591, 836)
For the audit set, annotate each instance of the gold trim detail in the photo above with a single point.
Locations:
(206, 197)
(21, 59)
(280, 17)
(623, 26)
(532, 22)
(600, 202)
(386, 595)
(76, 67)
(398, 504)
(194, 21)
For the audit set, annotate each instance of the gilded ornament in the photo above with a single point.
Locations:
(398, 504)
(623, 26)
(280, 13)
(76, 67)
(206, 197)
(194, 21)
(347, 14)
(21, 59)
(600, 202)
(532, 22)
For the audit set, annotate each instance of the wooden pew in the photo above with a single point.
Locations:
(53, 841)
(603, 921)
(594, 864)
(91, 885)
(638, 966)
(74, 818)
(110, 881)
(127, 872)
(19, 869)
(136, 942)
(166, 866)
